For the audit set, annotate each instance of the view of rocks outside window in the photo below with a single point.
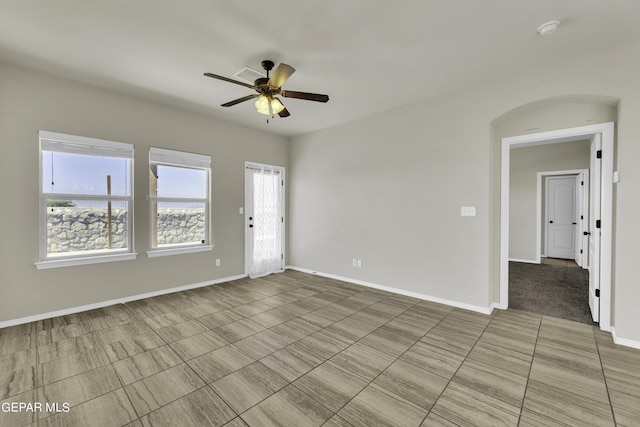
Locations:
(76, 229)
(81, 229)
(180, 226)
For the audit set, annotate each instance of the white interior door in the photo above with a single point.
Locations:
(582, 251)
(264, 219)
(561, 217)
(594, 229)
(579, 206)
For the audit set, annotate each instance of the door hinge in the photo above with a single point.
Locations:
(599, 154)
(281, 256)
(581, 182)
(282, 182)
(580, 250)
(597, 293)
(282, 219)
(598, 223)
(581, 216)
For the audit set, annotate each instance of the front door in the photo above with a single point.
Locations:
(561, 217)
(264, 219)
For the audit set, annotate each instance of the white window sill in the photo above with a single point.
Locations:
(178, 251)
(70, 262)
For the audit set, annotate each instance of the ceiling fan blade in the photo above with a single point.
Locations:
(284, 113)
(226, 79)
(239, 100)
(280, 75)
(305, 95)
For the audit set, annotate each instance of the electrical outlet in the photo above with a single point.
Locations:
(359, 263)
(355, 262)
(217, 262)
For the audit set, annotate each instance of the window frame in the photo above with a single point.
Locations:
(83, 146)
(180, 159)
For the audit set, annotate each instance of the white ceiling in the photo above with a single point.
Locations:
(368, 56)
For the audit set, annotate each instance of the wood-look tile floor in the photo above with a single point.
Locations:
(301, 350)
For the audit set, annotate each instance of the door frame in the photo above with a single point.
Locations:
(247, 243)
(606, 242)
(539, 216)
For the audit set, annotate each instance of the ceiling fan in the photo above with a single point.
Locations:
(267, 89)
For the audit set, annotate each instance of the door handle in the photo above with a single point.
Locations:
(586, 233)
(550, 222)
(574, 223)
(250, 225)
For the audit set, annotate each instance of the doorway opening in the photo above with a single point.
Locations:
(600, 227)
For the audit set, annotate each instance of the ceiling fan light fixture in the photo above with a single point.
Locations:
(263, 102)
(276, 105)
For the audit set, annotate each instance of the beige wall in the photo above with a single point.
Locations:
(523, 197)
(388, 189)
(31, 101)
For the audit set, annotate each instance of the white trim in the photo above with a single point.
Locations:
(178, 251)
(624, 341)
(59, 142)
(70, 262)
(528, 261)
(557, 136)
(123, 300)
(185, 160)
(540, 177)
(451, 303)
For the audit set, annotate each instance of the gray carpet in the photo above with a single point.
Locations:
(551, 290)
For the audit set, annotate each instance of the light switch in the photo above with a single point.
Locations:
(241, 211)
(468, 211)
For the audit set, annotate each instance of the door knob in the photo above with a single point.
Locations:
(550, 222)
(250, 225)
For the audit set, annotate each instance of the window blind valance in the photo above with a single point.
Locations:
(63, 143)
(179, 158)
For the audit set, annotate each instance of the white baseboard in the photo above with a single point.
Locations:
(624, 341)
(123, 300)
(476, 308)
(527, 261)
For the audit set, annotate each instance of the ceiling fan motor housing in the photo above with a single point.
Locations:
(267, 65)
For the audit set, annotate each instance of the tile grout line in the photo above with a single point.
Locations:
(239, 415)
(533, 355)
(290, 383)
(374, 378)
(604, 376)
(133, 316)
(184, 362)
(454, 374)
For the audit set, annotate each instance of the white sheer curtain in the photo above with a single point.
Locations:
(267, 223)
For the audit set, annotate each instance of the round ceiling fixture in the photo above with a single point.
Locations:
(548, 28)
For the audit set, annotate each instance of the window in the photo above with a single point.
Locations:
(86, 199)
(179, 202)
